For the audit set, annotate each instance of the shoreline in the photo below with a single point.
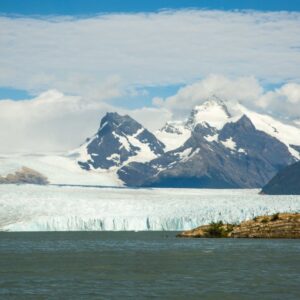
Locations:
(279, 225)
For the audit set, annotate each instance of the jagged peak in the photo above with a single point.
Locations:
(211, 101)
(214, 102)
(116, 120)
(213, 111)
(116, 117)
(245, 122)
(173, 127)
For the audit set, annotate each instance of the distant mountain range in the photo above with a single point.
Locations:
(221, 145)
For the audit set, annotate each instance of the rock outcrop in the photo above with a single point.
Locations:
(25, 175)
(281, 225)
(286, 182)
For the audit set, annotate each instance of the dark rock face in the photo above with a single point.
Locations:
(250, 160)
(118, 139)
(286, 182)
(258, 145)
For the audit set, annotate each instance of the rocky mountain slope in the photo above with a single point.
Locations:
(286, 182)
(119, 140)
(229, 161)
(216, 113)
(218, 146)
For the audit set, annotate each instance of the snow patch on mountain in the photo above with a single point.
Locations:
(114, 157)
(185, 154)
(230, 144)
(213, 112)
(174, 134)
(212, 138)
(144, 154)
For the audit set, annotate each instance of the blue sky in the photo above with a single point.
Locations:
(72, 61)
(84, 8)
(81, 7)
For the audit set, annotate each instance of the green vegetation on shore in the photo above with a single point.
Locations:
(278, 225)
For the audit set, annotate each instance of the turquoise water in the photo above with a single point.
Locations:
(143, 265)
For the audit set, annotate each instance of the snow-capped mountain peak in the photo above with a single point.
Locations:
(213, 112)
(119, 140)
(216, 113)
(287, 133)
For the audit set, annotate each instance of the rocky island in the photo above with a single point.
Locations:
(280, 225)
(25, 175)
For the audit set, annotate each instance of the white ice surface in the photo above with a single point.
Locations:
(59, 169)
(50, 208)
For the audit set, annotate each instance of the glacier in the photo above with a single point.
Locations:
(75, 208)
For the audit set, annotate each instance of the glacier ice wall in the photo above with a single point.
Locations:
(53, 208)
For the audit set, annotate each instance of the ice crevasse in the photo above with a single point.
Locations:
(54, 208)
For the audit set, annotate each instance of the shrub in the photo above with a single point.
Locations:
(218, 230)
(275, 217)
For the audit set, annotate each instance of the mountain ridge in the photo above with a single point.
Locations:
(214, 163)
(220, 145)
(285, 182)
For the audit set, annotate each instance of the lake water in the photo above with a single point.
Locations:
(129, 265)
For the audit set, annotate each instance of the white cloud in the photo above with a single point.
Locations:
(152, 118)
(243, 89)
(102, 57)
(54, 121)
(77, 55)
(50, 122)
(282, 102)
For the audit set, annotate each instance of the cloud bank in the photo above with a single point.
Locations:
(76, 55)
(54, 121)
(283, 102)
(84, 63)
